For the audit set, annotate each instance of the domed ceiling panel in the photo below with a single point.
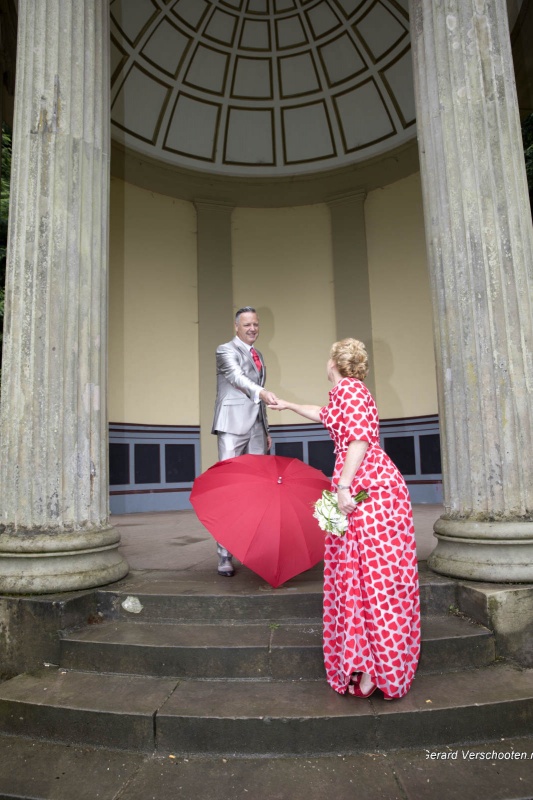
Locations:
(221, 27)
(249, 137)
(290, 33)
(380, 31)
(261, 87)
(252, 79)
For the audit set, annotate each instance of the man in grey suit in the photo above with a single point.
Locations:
(240, 421)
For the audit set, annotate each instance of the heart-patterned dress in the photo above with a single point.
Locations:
(371, 597)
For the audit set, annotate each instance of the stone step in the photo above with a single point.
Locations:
(246, 717)
(43, 770)
(268, 650)
(203, 595)
(303, 717)
(84, 708)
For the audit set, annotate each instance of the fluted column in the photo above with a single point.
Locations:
(480, 250)
(55, 534)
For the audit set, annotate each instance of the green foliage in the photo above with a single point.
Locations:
(4, 211)
(527, 136)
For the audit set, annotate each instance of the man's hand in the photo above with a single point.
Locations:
(268, 397)
(269, 443)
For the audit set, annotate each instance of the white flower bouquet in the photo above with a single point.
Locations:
(330, 519)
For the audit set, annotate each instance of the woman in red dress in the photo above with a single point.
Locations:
(371, 598)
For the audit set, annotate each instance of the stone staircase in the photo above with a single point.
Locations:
(232, 667)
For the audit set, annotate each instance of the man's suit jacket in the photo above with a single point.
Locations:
(237, 380)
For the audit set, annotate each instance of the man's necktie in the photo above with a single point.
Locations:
(257, 360)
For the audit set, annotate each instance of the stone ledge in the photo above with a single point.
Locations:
(30, 626)
(507, 609)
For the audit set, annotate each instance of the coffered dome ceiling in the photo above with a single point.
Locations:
(261, 87)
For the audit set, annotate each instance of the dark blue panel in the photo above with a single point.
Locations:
(179, 463)
(402, 451)
(430, 463)
(147, 465)
(119, 464)
(322, 456)
(290, 450)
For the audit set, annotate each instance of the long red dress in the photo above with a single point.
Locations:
(371, 596)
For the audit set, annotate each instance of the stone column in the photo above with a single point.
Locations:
(55, 533)
(215, 309)
(480, 251)
(350, 272)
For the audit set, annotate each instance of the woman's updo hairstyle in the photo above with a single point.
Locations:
(351, 358)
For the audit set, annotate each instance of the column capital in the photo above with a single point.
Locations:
(348, 199)
(214, 206)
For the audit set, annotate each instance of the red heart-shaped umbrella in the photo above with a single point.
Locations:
(260, 508)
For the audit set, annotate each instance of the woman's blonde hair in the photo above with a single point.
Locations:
(351, 358)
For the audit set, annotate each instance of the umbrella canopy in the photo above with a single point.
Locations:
(261, 509)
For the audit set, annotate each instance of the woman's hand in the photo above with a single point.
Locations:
(279, 405)
(354, 458)
(345, 501)
(309, 412)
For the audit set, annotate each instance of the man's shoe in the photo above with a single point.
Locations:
(225, 567)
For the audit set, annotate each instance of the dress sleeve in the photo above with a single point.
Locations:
(358, 413)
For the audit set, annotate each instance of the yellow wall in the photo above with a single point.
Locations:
(282, 265)
(402, 328)
(153, 331)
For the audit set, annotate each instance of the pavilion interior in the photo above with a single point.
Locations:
(276, 108)
(289, 124)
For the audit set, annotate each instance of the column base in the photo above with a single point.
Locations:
(45, 564)
(498, 552)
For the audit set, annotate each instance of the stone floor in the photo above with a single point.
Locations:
(37, 770)
(177, 540)
(45, 771)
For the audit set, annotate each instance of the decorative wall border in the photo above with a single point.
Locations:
(152, 467)
(414, 445)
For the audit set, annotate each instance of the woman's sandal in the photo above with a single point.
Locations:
(355, 691)
(356, 687)
(358, 693)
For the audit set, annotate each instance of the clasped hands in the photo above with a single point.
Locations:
(276, 404)
(269, 398)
